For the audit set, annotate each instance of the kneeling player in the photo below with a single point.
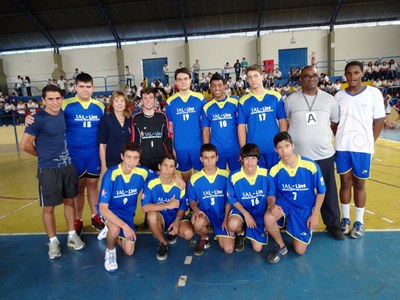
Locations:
(292, 198)
(120, 188)
(247, 192)
(207, 197)
(164, 203)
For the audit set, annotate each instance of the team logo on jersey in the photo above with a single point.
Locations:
(103, 192)
(322, 180)
(303, 233)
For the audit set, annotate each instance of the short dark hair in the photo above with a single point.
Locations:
(83, 77)
(307, 67)
(148, 91)
(183, 70)
(168, 156)
(131, 146)
(217, 77)
(354, 63)
(208, 148)
(249, 150)
(50, 88)
(282, 136)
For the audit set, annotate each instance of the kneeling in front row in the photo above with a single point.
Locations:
(164, 203)
(292, 200)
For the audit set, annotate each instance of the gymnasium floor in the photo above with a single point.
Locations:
(362, 269)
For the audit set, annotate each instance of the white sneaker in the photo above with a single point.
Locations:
(102, 234)
(54, 249)
(110, 260)
(74, 241)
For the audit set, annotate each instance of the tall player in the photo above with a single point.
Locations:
(261, 116)
(208, 200)
(296, 191)
(184, 112)
(362, 115)
(219, 121)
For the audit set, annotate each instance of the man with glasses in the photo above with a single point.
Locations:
(313, 117)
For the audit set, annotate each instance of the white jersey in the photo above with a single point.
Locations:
(357, 113)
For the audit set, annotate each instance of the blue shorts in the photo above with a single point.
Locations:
(232, 161)
(295, 219)
(357, 162)
(216, 224)
(268, 160)
(127, 220)
(188, 159)
(257, 234)
(168, 219)
(86, 161)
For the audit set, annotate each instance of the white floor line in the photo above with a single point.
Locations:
(18, 209)
(387, 220)
(369, 212)
(182, 280)
(188, 260)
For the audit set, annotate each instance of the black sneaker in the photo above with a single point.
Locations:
(162, 251)
(201, 246)
(239, 242)
(275, 255)
(336, 232)
(171, 239)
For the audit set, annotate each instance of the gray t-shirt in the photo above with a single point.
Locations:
(310, 120)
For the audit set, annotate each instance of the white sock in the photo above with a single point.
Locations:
(360, 214)
(346, 211)
(71, 233)
(111, 250)
(54, 239)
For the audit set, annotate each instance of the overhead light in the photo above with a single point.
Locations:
(292, 40)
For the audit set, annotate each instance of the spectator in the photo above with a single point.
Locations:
(237, 68)
(61, 83)
(21, 110)
(165, 71)
(27, 83)
(393, 69)
(277, 74)
(19, 86)
(9, 108)
(196, 72)
(226, 71)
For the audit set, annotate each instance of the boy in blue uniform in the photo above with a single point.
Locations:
(58, 181)
(247, 193)
(82, 117)
(164, 203)
(207, 199)
(120, 188)
(261, 115)
(295, 196)
(219, 121)
(184, 113)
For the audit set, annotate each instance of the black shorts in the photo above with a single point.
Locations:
(57, 184)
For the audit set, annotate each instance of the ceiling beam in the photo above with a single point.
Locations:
(335, 13)
(182, 16)
(109, 23)
(43, 30)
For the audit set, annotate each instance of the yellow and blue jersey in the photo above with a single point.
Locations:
(261, 115)
(82, 120)
(209, 192)
(221, 118)
(185, 115)
(250, 192)
(158, 193)
(121, 190)
(297, 186)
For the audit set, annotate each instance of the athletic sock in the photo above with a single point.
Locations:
(93, 215)
(360, 214)
(71, 233)
(53, 239)
(346, 210)
(111, 250)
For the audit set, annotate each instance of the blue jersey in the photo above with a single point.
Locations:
(49, 133)
(82, 120)
(250, 192)
(261, 115)
(221, 118)
(121, 191)
(209, 192)
(157, 193)
(298, 186)
(185, 115)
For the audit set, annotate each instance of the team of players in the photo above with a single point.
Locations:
(248, 202)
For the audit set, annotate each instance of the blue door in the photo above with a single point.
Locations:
(153, 69)
(292, 58)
